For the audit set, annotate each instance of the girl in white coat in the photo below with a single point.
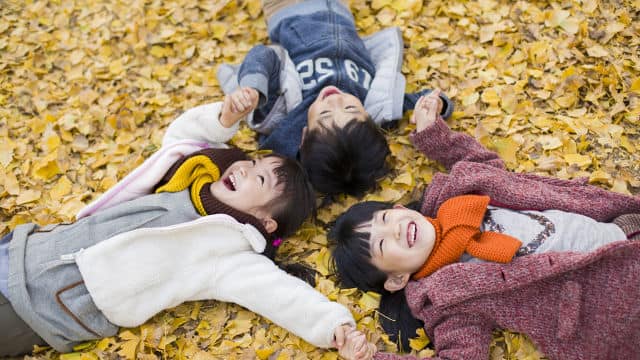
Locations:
(193, 222)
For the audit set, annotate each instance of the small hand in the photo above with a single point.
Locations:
(340, 335)
(427, 110)
(237, 105)
(356, 347)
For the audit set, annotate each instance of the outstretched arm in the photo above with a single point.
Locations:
(434, 138)
(200, 123)
(212, 123)
(255, 282)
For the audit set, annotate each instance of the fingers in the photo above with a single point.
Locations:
(251, 95)
(358, 342)
(371, 350)
(338, 337)
(355, 344)
(244, 100)
(435, 93)
(237, 102)
(427, 109)
(432, 104)
(341, 333)
(435, 96)
(420, 105)
(228, 116)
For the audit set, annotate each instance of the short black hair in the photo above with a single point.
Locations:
(353, 268)
(297, 201)
(345, 160)
(351, 249)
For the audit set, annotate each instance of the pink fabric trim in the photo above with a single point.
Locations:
(137, 182)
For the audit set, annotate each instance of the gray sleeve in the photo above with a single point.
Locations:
(261, 71)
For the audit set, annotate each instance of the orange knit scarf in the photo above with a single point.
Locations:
(458, 230)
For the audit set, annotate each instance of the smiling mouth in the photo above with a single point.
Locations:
(230, 182)
(330, 90)
(412, 230)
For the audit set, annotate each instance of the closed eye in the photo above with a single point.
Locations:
(380, 246)
(384, 217)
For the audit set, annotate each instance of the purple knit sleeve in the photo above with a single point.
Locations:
(390, 356)
(448, 147)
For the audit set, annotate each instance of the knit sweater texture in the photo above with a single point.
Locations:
(571, 305)
(457, 229)
(475, 170)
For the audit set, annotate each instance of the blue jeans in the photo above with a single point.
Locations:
(4, 264)
(306, 8)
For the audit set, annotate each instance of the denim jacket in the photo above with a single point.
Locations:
(316, 45)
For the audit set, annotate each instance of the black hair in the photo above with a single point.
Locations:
(345, 160)
(353, 267)
(295, 204)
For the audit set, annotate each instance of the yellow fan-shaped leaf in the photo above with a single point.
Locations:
(418, 343)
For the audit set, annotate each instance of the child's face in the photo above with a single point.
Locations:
(401, 240)
(249, 185)
(333, 106)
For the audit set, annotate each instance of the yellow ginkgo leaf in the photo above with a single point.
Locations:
(418, 343)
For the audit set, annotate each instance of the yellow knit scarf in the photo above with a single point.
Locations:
(196, 171)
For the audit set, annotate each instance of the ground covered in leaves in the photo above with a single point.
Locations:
(87, 89)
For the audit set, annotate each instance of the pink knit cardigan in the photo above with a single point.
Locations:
(573, 306)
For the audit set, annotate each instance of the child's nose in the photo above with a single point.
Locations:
(335, 100)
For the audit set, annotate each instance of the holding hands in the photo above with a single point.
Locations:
(427, 110)
(237, 105)
(353, 345)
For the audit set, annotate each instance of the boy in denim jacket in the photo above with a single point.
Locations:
(324, 92)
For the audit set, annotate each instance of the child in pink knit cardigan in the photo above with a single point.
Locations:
(380, 247)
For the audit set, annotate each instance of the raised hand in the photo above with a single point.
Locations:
(237, 105)
(427, 110)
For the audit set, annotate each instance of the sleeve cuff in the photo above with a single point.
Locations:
(447, 106)
(260, 83)
(422, 139)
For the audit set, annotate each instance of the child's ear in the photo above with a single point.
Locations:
(269, 224)
(304, 135)
(396, 282)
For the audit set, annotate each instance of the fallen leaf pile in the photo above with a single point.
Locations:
(87, 89)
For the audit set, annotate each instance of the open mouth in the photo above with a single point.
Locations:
(230, 182)
(330, 90)
(412, 231)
